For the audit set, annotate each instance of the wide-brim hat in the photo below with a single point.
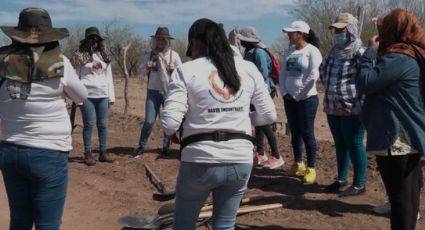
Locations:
(34, 27)
(162, 32)
(343, 20)
(93, 31)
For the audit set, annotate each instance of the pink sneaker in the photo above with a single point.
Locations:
(260, 159)
(274, 163)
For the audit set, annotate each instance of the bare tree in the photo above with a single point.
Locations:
(71, 43)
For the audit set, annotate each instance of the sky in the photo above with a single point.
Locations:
(144, 16)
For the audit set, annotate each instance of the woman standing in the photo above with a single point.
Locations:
(300, 71)
(342, 104)
(213, 92)
(394, 112)
(255, 52)
(160, 62)
(94, 68)
(36, 130)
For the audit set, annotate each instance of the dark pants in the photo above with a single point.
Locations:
(36, 181)
(301, 116)
(402, 176)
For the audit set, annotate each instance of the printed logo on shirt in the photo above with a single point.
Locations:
(18, 90)
(293, 65)
(221, 94)
(97, 68)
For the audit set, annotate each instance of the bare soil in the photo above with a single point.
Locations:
(99, 195)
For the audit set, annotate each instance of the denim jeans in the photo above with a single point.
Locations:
(195, 181)
(95, 109)
(154, 100)
(301, 116)
(36, 182)
(266, 130)
(348, 134)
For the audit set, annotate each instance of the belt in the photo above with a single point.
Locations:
(216, 136)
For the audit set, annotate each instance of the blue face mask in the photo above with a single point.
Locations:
(340, 39)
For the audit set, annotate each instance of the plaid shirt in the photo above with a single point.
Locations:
(339, 79)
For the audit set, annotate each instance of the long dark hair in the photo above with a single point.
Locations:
(312, 38)
(217, 49)
(92, 44)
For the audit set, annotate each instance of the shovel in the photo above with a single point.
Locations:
(141, 221)
(169, 208)
(163, 194)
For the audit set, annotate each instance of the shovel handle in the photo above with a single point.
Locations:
(243, 201)
(246, 209)
(155, 179)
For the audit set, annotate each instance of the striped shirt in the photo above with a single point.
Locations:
(339, 78)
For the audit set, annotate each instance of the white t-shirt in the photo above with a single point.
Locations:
(196, 93)
(39, 118)
(300, 71)
(97, 77)
(154, 76)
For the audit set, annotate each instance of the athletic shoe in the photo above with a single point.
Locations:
(310, 176)
(336, 186)
(274, 163)
(352, 191)
(260, 159)
(382, 209)
(297, 169)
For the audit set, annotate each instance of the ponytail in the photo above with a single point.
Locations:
(312, 39)
(217, 50)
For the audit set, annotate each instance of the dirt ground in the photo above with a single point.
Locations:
(99, 195)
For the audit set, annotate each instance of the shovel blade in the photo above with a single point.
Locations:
(138, 222)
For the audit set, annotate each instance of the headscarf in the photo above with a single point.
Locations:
(348, 51)
(401, 32)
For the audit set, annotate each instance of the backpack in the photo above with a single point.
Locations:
(275, 67)
(275, 71)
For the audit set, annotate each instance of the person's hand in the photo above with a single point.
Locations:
(374, 42)
(111, 103)
(149, 65)
(175, 139)
(170, 68)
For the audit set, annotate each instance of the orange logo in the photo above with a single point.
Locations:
(225, 93)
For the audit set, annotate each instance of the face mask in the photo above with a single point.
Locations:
(340, 39)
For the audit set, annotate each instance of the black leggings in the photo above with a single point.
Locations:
(402, 176)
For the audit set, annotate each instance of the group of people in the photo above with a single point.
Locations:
(209, 107)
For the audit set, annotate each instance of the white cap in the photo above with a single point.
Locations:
(298, 26)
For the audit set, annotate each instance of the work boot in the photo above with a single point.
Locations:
(89, 159)
(105, 157)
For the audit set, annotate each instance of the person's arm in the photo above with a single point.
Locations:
(111, 90)
(312, 74)
(176, 103)
(143, 67)
(73, 87)
(373, 78)
(282, 77)
(260, 58)
(265, 111)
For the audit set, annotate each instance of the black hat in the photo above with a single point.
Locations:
(162, 32)
(93, 31)
(35, 27)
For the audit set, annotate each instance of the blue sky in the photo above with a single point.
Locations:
(144, 16)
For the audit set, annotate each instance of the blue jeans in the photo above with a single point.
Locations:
(95, 109)
(348, 134)
(36, 182)
(195, 181)
(301, 116)
(154, 100)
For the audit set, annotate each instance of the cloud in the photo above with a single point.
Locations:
(157, 11)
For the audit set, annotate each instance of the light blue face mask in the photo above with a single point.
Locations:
(340, 39)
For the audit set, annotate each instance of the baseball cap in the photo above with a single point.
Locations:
(343, 20)
(297, 26)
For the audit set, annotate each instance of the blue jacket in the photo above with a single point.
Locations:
(394, 100)
(262, 60)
